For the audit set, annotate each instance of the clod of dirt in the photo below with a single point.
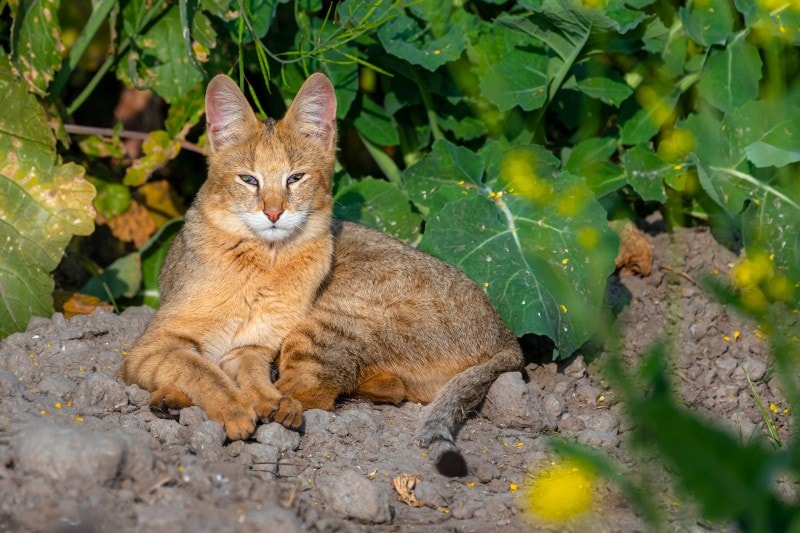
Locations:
(349, 494)
(635, 255)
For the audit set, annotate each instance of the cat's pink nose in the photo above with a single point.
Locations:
(273, 214)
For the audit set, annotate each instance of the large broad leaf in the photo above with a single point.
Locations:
(163, 63)
(542, 252)
(518, 79)
(590, 160)
(42, 204)
(36, 41)
(380, 205)
(730, 78)
(708, 21)
(405, 38)
(654, 109)
(374, 124)
(646, 172)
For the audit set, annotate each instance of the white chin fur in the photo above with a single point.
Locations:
(286, 226)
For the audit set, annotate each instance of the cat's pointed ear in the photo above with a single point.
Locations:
(229, 118)
(313, 111)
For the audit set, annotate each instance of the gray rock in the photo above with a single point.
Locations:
(575, 367)
(137, 396)
(278, 436)
(552, 406)
(207, 438)
(755, 370)
(726, 365)
(348, 494)
(598, 439)
(571, 423)
(167, 431)
(84, 458)
(57, 385)
(10, 386)
(601, 421)
(272, 518)
(510, 404)
(101, 390)
(263, 453)
(316, 421)
(432, 492)
(192, 415)
(486, 471)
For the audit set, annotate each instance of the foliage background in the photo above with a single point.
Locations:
(499, 135)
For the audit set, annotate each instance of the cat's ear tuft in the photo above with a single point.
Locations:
(229, 118)
(313, 111)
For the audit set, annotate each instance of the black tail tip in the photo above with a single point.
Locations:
(451, 464)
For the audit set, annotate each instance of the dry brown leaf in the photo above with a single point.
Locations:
(134, 225)
(404, 486)
(83, 304)
(157, 196)
(635, 255)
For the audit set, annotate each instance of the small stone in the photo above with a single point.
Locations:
(10, 386)
(431, 492)
(263, 453)
(552, 406)
(101, 390)
(571, 423)
(462, 510)
(509, 404)
(755, 370)
(137, 395)
(84, 458)
(575, 367)
(192, 415)
(167, 431)
(726, 365)
(486, 471)
(207, 438)
(57, 385)
(600, 439)
(601, 421)
(350, 495)
(316, 421)
(278, 436)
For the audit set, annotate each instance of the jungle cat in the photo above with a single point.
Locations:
(261, 271)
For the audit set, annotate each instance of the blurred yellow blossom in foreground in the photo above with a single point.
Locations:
(560, 492)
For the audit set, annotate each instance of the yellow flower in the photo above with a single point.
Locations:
(560, 492)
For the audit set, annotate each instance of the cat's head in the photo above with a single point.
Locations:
(267, 179)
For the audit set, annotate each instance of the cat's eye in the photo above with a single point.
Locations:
(250, 180)
(294, 178)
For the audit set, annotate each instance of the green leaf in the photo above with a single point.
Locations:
(589, 159)
(443, 176)
(654, 110)
(608, 89)
(403, 37)
(646, 173)
(158, 149)
(374, 124)
(767, 131)
(542, 258)
(772, 227)
(380, 205)
(519, 79)
(731, 76)
(36, 41)
(261, 14)
(112, 198)
(123, 277)
(707, 22)
(162, 63)
(185, 112)
(43, 203)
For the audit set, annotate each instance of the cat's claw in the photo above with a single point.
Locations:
(238, 417)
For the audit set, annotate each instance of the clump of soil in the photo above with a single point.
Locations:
(80, 451)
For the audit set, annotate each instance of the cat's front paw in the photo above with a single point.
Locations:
(237, 416)
(288, 412)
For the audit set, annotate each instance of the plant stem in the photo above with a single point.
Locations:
(383, 161)
(77, 129)
(96, 19)
(429, 109)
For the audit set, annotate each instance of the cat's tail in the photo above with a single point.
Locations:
(460, 395)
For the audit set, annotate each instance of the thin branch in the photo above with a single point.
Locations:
(124, 134)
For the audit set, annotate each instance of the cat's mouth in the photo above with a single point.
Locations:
(286, 226)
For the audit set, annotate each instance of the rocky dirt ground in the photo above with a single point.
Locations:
(80, 451)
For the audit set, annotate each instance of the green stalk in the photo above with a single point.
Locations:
(384, 162)
(97, 18)
(429, 109)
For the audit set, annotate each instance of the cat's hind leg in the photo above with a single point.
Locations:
(460, 395)
(249, 366)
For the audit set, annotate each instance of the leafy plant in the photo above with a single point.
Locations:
(496, 135)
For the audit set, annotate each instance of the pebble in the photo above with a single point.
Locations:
(137, 395)
(263, 453)
(509, 404)
(348, 494)
(192, 415)
(101, 390)
(486, 471)
(278, 436)
(726, 366)
(84, 458)
(600, 439)
(571, 423)
(575, 367)
(552, 406)
(207, 438)
(57, 385)
(601, 421)
(10, 386)
(167, 431)
(755, 370)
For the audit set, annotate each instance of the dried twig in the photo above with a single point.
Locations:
(77, 129)
(679, 273)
